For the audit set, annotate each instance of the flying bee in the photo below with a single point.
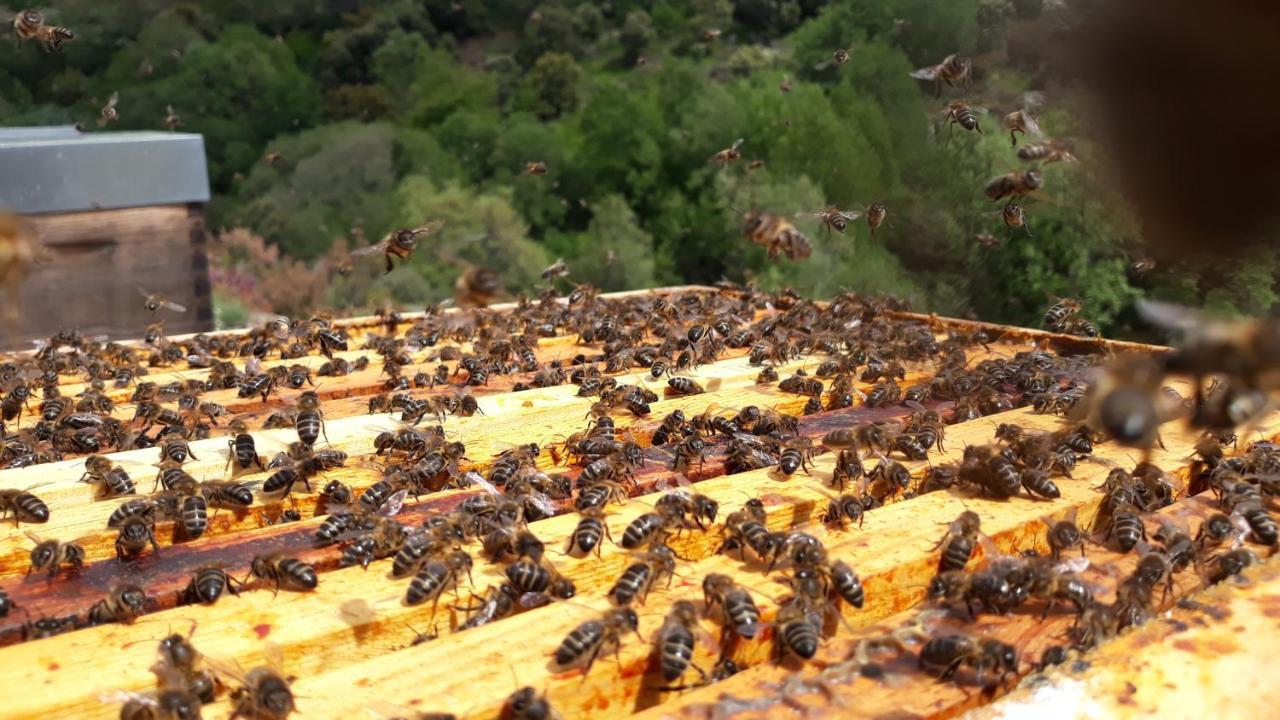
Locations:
(399, 243)
(52, 555)
(876, 214)
(776, 235)
(836, 219)
(729, 154)
(1140, 266)
(953, 70)
(1014, 217)
(838, 58)
(477, 287)
(1014, 184)
(171, 119)
(557, 269)
(1046, 152)
(785, 85)
(1019, 121)
(961, 113)
(587, 641)
(536, 167)
(1057, 316)
(110, 114)
(155, 302)
(1125, 402)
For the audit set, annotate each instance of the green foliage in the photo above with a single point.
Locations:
(637, 33)
(442, 86)
(551, 87)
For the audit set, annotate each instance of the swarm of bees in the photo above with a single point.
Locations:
(430, 365)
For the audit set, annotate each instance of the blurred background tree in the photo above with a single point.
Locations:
(382, 115)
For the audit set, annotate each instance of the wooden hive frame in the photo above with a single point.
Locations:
(356, 649)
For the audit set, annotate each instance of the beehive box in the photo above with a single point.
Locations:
(113, 211)
(356, 649)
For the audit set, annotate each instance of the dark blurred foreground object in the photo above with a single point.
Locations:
(17, 256)
(1188, 100)
(104, 213)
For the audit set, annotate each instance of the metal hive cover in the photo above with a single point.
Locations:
(59, 169)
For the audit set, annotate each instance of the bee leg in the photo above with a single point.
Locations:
(390, 266)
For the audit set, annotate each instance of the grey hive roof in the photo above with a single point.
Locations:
(59, 169)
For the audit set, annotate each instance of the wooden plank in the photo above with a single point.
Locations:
(882, 553)
(543, 413)
(832, 686)
(1204, 660)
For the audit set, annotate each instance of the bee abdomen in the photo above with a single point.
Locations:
(677, 653)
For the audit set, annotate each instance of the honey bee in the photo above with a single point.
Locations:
(1046, 152)
(711, 34)
(876, 213)
(1014, 217)
(953, 70)
(729, 154)
(477, 287)
(155, 302)
(29, 24)
(1244, 351)
(1140, 266)
(124, 603)
(1014, 184)
(838, 58)
(1124, 401)
(776, 235)
(558, 269)
(52, 555)
(109, 112)
(285, 572)
(965, 115)
(1019, 121)
(399, 243)
(944, 655)
(171, 118)
(527, 704)
(537, 167)
(587, 641)
(785, 85)
(836, 219)
(263, 693)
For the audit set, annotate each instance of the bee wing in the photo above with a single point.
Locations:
(737, 144)
(173, 306)
(228, 669)
(474, 478)
(143, 292)
(122, 697)
(392, 505)
(1032, 126)
(1170, 316)
(370, 249)
(850, 214)
(927, 73)
(274, 657)
(115, 98)
(429, 228)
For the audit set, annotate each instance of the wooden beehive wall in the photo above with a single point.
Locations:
(97, 259)
(357, 650)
